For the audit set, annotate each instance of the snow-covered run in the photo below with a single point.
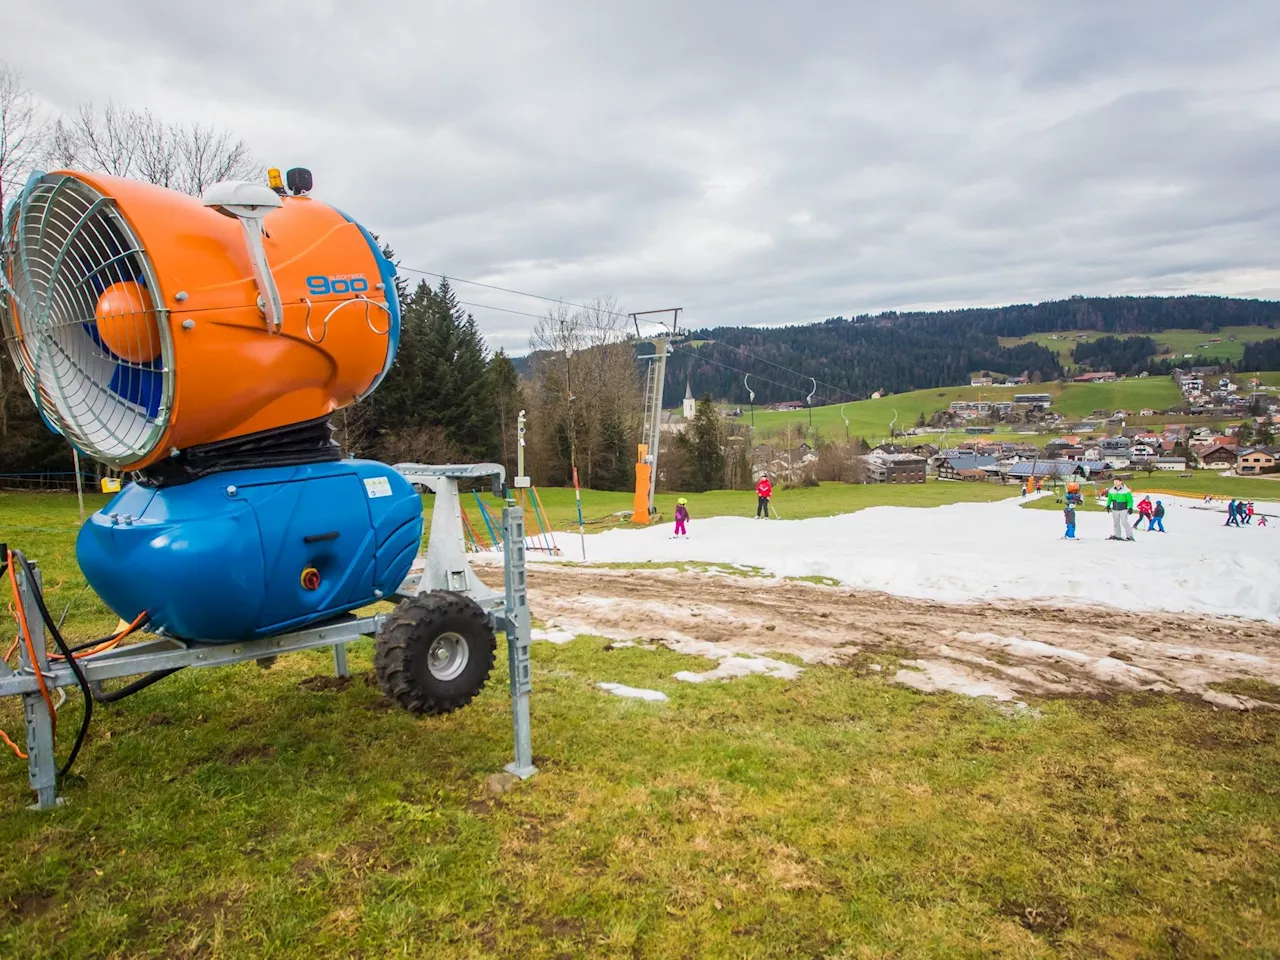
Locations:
(633, 693)
(969, 552)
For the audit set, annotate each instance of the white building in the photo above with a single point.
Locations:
(690, 405)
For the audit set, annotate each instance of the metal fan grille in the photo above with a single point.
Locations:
(91, 344)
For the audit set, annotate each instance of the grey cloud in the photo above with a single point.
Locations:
(758, 163)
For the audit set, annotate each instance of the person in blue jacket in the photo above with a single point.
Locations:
(1156, 522)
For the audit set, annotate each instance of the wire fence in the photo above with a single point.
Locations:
(63, 481)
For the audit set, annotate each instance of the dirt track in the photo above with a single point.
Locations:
(1002, 651)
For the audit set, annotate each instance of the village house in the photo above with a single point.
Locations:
(1255, 460)
(1100, 376)
(1216, 457)
(951, 467)
(894, 468)
(1115, 446)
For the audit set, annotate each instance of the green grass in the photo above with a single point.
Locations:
(798, 503)
(1250, 687)
(871, 418)
(1172, 343)
(242, 813)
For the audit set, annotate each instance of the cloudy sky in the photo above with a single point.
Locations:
(754, 163)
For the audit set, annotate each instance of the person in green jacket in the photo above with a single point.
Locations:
(1120, 505)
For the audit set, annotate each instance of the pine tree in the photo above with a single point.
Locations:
(1266, 432)
(703, 441)
(508, 401)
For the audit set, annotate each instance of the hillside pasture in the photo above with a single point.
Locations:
(1229, 345)
(870, 419)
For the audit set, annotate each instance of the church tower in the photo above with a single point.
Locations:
(690, 407)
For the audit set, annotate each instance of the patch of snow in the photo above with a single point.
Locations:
(551, 636)
(974, 552)
(930, 676)
(732, 667)
(636, 693)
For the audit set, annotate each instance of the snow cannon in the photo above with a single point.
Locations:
(146, 323)
(201, 344)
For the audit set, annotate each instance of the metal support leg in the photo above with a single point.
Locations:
(42, 766)
(519, 636)
(340, 660)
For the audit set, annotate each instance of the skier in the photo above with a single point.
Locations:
(1157, 518)
(1069, 514)
(1120, 505)
(1248, 512)
(682, 517)
(1233, 518)
(1144, 513)
(764, 490)
(1262, 519)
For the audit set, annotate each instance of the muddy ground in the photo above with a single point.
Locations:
(1001, 651)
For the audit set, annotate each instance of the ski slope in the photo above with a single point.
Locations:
(974, 552)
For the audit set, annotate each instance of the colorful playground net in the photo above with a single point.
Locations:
(486, 536)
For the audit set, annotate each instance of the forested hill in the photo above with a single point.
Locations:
(912, 351)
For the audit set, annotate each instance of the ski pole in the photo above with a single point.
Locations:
(776, 515)
(577, 493)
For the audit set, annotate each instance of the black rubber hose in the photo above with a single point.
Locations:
(140, 684)
(110, 636)
(81, 679)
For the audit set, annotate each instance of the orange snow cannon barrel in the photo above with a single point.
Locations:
(146, 322)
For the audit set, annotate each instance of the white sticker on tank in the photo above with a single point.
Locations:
(377, 487)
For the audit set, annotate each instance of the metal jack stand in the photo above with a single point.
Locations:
(519, 636)
(42, 771)
(447, 568)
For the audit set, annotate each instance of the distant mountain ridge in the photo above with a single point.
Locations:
(901, 351)
(898, 352)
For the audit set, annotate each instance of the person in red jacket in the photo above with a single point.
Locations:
(764, 490)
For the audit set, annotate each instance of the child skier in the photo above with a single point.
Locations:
(1069, 514)
(1156, 520)
(1248, 512)
(1144, 513)
(682, 517)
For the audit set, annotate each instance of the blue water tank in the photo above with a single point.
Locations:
(231, 556)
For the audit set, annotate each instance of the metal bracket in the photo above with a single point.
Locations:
(447, 566)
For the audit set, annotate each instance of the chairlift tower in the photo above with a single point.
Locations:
(651, 432)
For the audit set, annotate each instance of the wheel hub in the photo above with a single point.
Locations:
(447, 656)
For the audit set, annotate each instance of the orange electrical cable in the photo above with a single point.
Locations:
(12, 746)
(31, 647)
(107, 644)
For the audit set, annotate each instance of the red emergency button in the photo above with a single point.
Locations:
(310, 578)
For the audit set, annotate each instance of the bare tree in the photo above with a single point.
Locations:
(585, 396)
(136, 143)
(22, 133)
